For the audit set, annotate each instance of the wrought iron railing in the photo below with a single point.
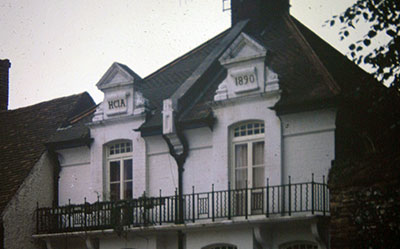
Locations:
(279, 200)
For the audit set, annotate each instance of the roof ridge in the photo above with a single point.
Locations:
(163, 68)
(45, 102)
(334, 86)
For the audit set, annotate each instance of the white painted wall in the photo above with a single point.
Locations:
(199, 169)
(283, 233)
(18, 217)
(74, 181)
(143, 241)
(162, 168)
(308, 144)
(84, 170)
(274, 235)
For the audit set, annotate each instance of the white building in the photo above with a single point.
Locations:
(225, 147)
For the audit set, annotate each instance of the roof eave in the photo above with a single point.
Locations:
(67, 144)
(282, 108)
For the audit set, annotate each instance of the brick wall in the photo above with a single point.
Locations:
(365, 203)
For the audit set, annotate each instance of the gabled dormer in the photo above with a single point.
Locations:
(120, 96)
(247, 72)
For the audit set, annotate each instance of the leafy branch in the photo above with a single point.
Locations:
(383, 18)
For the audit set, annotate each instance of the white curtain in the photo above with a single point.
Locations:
(241, 165)
(258, 164)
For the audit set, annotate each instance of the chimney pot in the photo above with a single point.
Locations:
(258, 11)
(4, 74)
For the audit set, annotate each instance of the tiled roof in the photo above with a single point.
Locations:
(345, 72)
(164, 82)
(75, 131)
(312, 74)
(23, 134)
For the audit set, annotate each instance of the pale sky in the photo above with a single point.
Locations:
(63, 47)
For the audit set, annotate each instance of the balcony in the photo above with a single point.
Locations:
(309, 198)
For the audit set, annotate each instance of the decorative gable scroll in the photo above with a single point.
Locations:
(247, 72)
(120, 98)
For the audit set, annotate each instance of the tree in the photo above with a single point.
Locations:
(383, 18)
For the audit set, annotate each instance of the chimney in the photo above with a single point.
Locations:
(4, 66)
(258, 11)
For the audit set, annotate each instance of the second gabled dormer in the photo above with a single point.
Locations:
(120, 97)
(247, 72)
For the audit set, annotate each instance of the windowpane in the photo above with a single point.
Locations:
(258, 176)
(120, 148)
(128, 169)
(240, 155)
(127, 190)
(249, 129)
(114, 171)
(120, 170)
(128, 147)
(240, 178)
(115, 191)
(258, 153)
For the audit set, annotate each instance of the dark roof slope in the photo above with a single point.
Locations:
(164, 82)
(312, 74)
(345, 72)
(303, 77)
(74, 133)
(24, 132)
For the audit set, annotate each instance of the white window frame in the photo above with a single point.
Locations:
(118, 157)
(249, 140)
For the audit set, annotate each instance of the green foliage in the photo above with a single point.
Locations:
(383, 18)
(376, 216)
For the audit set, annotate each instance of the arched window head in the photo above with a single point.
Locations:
(299, 245)
(248, 129)
(119, 169)
(220, 246)
(118, 148)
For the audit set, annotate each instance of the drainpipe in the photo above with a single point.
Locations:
(56, 174)
(178, 148)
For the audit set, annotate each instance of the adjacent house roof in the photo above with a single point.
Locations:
(23, 134)
(74, 131)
